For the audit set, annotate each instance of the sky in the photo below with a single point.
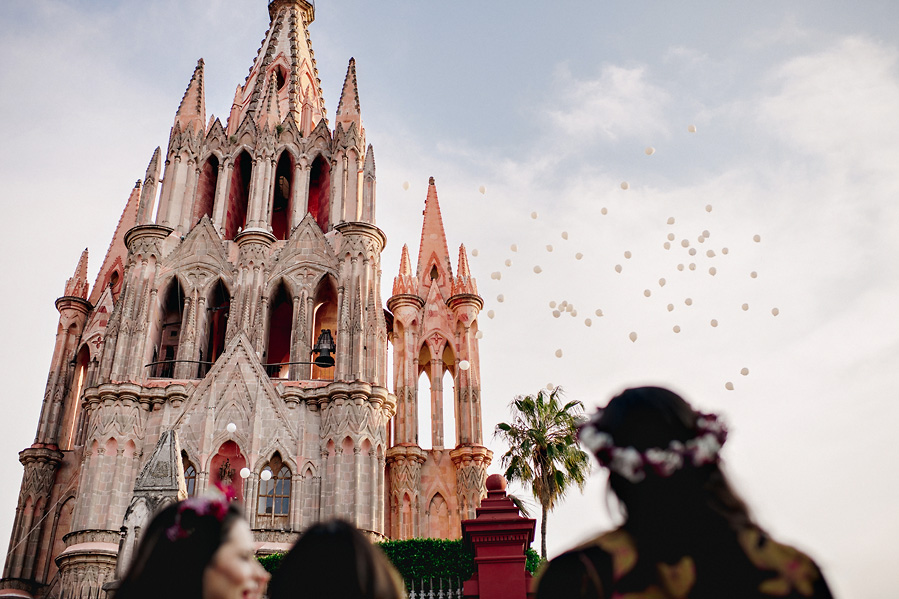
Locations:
(548, 109)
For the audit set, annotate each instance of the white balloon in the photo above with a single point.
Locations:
(508, 262)
(756, 238)
(708, 208)
(405, 185)
(680, 267)
(558, 353)
(714, 323)
(573, 313)
(556, 314)
(479, 335)
(710, 253)
(564, 234)
(500, 298)
(534, 215)
(482, 189)
(598, 312)
(647, 292)
(231, 428)
(670, 307)
(689, 301)
(513, 247)
(692, 266)
(775, 311)
(729, 386)
(685, 243)
(676, 329)
(552, 304)
(713, 271)
(464, 365)
(490, 313)
(245, 472)
(671, 222)
(538, 270)
(604, 211)
(744, 371)
(700, 239)
(662, 282)
(549, 248)
(650, 150)
(692, 251)
(745, 307)
(667, 245)
(563, 304)
(706, 234)
(624, 185)
(627, 254)
(618, 268)
(724, 250)
(753, 274)
(497, 275)
(474, 252)
(578, 256)
(588, 322)
(266, 474)
(550, 386)
(632, 336)
(670, 236)
(691, 128)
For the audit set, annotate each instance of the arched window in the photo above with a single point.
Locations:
(190, 474)
(281, 205)
(320, 192)
(206, 187)
(72, 408)
(273, 504)
(325, 317)
(238, 195)
(169, 331)
(217, 307)
(279, 329)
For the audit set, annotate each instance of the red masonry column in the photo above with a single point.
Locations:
(499, 536)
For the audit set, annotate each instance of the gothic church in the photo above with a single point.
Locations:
(236, 333)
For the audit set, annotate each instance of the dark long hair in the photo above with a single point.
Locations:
(176, 548)
(695, 510)
(334, 559)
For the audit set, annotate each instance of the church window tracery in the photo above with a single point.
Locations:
(206, 188)
(320, 192)
(281, 200)
(238, 195)
(273, 503)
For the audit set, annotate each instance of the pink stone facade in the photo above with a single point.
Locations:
(241, 244)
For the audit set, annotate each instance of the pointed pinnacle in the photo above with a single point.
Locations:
(191, 112)
(77, 285)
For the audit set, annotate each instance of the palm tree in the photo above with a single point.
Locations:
(543, 450)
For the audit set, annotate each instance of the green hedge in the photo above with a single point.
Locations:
(418, 559)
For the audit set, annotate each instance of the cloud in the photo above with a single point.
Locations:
(620, 103)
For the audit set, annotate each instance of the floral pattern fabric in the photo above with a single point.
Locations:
(609, 567)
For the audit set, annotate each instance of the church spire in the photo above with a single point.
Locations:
(433, 255)
(286, 56)
(348, 111)
(404, 282)
(464, 282)
(113, 268)
(77, 285)
(191, 114)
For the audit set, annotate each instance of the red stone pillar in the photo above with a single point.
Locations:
(499, 536)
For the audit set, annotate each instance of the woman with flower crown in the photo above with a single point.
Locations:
(686, 535)
(199, 548)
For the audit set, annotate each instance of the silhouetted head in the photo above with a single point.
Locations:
(334, 559)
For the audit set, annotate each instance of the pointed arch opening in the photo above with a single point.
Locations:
(424, 436)
(281, 202)
(438, 518)
(190, 474)
(224, 466)
(168, 334)
(238, 195)
(218, 305)
(324, 318)
(320, 191)
(279, 332)
(273, 502)
(206, 187)
(71, 416)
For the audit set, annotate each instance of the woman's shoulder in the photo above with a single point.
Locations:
(790, 572)
(583, 572)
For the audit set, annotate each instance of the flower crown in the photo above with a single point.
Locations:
(633, 464)
(192, 510)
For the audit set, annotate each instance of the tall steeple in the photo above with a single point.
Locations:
(77, 285)
(433, 254)
(113, 267)
(191, 114)
(286, 53)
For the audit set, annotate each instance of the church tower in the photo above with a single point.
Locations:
(435, 332)
(235, 334)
